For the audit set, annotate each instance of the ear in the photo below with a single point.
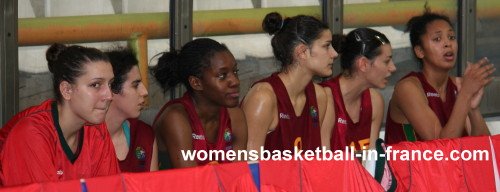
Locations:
(300, 51)
(66, 89)
(362, 63)
(195, 83)
(419, 52)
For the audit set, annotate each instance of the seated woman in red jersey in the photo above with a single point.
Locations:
(64, 138)
(431, 104)
(286, 110)
(206, 117)
(134, 140)
(366, 60)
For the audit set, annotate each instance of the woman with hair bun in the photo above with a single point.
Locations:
(207, 117)
(431, 104)
(366, 60)
(65, 138)
(287, 109)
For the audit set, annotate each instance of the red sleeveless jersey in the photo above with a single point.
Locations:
(302, 131)
(345, 131)
(34, 149)
(140, 152)
(224, 135)
(397, 132)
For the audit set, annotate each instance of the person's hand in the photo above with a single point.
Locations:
(475, 77)
(476, 98)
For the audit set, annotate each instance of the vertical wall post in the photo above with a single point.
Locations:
(467, 34)
(9, 67)
(332, 11)
(181, 29)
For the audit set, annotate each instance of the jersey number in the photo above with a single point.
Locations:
(298, 143)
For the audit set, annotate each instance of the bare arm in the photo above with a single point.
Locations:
(410, 98)
(239, 127)
(154, 158)
(175, 131)
(261, 113)
(328, 120)
(377, 115)
(475, 123)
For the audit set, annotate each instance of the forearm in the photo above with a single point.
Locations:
(456, 123)
(478, 124)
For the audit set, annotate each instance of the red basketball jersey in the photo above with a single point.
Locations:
(224, 135)
(397, 132)
(302, 131)
(345, 132)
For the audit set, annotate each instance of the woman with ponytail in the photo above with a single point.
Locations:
(366, 60)
(206, 117)
(63, 138)
(287, 109)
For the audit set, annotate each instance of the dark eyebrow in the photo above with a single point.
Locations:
(438, 32)
(97, 79)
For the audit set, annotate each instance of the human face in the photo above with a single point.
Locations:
(220, 81)
(130, 101)
(381, 67)
(90, 95)
(322, 55)
(439, 45)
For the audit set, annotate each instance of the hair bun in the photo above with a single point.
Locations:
(338, 42)
(272, 23)
(52, 54)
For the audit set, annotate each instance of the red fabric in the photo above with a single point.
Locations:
(445, 175)
(235, 177)
(291, 176)
(62, 186)
(201, 178)
(394, 131)
(478, 170)
(34, 187)
(495, 139)
(106, 183)
(292, 130)
(140, 151)
(32, 151)
(346, 175)
(345, 131)
(224, 136)
(280, 176)
(427, 175)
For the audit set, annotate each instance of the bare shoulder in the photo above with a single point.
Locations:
(321, 92)
(377, 101)
(410, 84)
(376, 98)
(172, 114)
(236, 113)
(262, 93)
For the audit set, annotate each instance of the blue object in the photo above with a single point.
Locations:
(126, 130)
(254, 169)
(83, 184)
